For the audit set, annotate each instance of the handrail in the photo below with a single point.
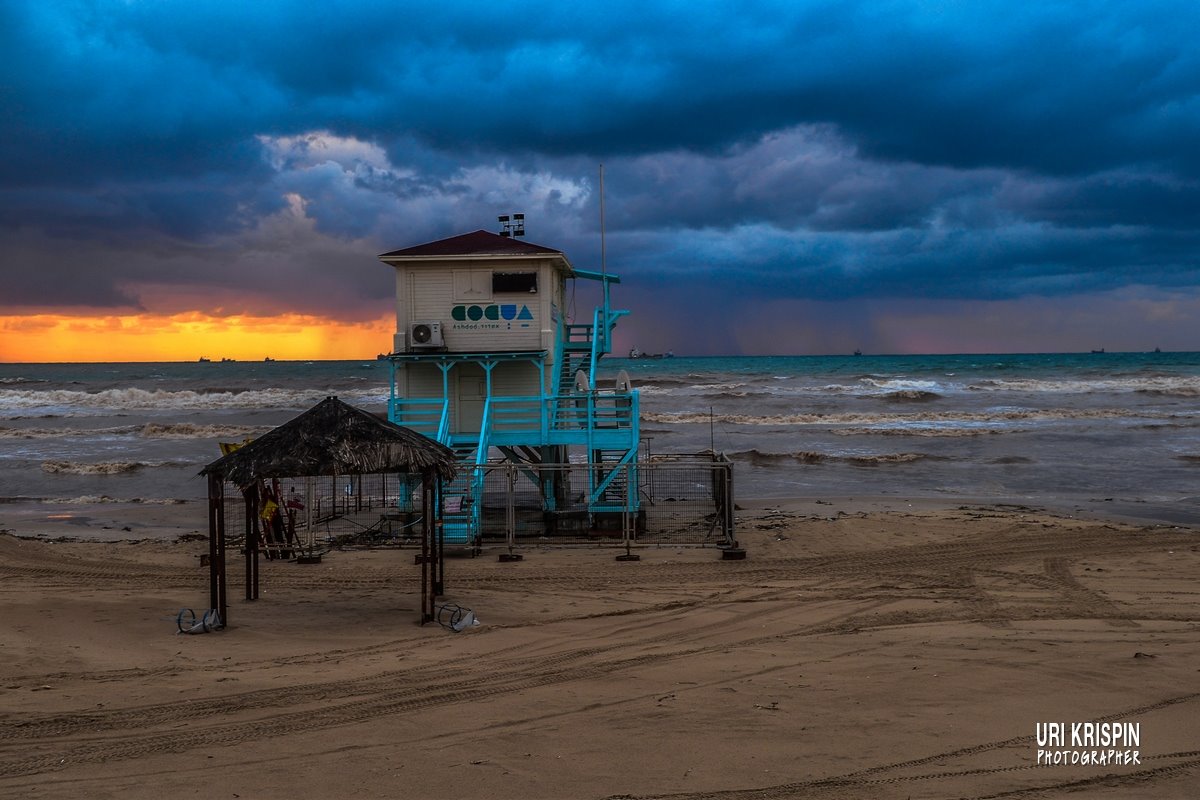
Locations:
(603, 409)
(420, 414)
(480, 473)
(578, 332)
(602, 487)
(443, 432)
(560, 352)
(485, 425)
(597, 334)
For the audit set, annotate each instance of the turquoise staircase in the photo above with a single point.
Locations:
(601, 422)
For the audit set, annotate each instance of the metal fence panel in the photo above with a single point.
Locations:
(676, 502)
(664, 501)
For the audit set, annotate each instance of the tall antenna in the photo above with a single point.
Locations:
(603, 260)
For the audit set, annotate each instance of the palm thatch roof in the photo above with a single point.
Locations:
(333, 438)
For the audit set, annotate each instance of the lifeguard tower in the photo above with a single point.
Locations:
(486, 361)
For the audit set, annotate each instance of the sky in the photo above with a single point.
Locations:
(185, 179)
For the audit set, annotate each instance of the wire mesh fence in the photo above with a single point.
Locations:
(663, 501)
(668, 500)
(322, 512)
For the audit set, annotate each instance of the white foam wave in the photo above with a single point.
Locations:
(995, 415)
(1183, 386)
(188, 430)
(925, 431)
(100, 499)
(100, 467)
(54, 433)
(881, 385)
(812, 458)
(905, 385)
(66, 400)
(181, 430)
(732, 389)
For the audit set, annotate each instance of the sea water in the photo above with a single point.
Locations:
(1121, 428)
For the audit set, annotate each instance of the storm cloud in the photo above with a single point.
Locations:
(862, 161)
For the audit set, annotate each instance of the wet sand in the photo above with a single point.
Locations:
(884, 649)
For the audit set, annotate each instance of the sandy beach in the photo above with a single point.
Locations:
(892, 649)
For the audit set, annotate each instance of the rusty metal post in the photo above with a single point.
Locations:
(427, 530)
(510, 508)
(626, 520)
(222, 599)
(213, 572)
(216, 545)
(729, 504)
(439, 544)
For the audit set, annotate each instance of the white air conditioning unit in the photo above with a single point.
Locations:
(425, 336)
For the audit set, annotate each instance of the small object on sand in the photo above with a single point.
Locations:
(187, 623)
(1140, 654)
(456, 618)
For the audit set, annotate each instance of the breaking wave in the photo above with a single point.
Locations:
(759, 457)
(893, 458)
(899, 389)
(929, 432)
(854, 418)
(123, 399)
(100, 467)
(188, 430)
(811, 457)
(1179, 391)
(1181, 386)
(902, 389)
(911, 396)
(669, 387)
(100, 499)
(723, 395)
(53, 433)
(153, 430)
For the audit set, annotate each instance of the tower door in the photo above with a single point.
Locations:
(470, 392)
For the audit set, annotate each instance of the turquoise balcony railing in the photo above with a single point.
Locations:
(426, 416)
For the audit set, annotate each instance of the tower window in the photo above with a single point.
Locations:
(524, 282)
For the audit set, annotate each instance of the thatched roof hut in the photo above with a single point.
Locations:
(333, 438)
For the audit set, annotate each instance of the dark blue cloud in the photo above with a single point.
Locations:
(824, 150)
(1063, 88)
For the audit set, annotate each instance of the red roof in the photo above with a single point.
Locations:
(478, 243)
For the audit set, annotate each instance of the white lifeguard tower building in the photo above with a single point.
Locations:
(486, 361)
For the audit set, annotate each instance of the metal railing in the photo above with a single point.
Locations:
(601, 410)
(423, 415)
(577, 334)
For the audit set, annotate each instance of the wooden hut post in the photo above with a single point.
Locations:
(252, 543)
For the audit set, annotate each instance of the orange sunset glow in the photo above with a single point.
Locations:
(188, 337)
